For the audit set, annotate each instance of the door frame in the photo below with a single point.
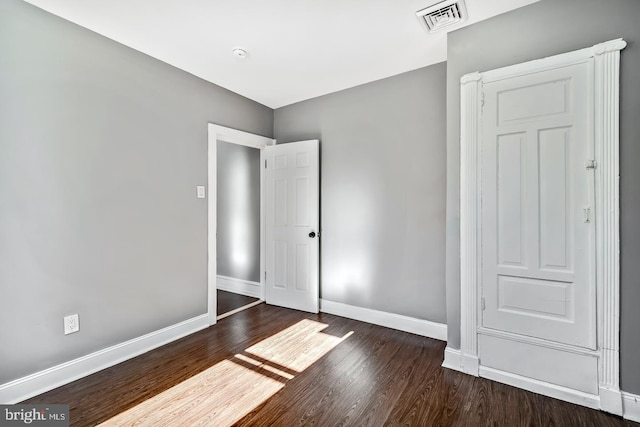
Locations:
(221, 133)
(604, 96)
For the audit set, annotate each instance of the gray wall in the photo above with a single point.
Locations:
(238, 211)
(536, 31)
(101, 149)
(382, 190)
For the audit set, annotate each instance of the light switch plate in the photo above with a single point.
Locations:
(200, 191)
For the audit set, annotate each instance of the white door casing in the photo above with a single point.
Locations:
(221, 133)
(292, 225)
(537, 227)
(604, 96)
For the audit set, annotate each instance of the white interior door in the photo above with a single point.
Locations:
(292, 225)
(538, 301)
(538, 274)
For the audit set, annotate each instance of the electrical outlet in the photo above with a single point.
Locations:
(71, 324)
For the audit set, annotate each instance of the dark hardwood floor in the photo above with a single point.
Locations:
(269, 366)
(228, 301)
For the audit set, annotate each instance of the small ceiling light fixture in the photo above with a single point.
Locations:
(443, 15)
(239, 53)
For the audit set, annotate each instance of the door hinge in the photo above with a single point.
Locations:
(265, 163)
(482, 99)
(265, 275)
(587, 214)
(482, 304)
(591, 164)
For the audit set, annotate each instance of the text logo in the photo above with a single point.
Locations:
(34, 415)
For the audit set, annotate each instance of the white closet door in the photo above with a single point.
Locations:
(538, 277)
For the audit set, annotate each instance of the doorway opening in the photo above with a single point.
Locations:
(289, 227)
(238, 228)
(236, 221)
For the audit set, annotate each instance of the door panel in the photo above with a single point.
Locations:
(510, 199)
(533, 297)
(537, 248)
(280, 202)
(302, 267)
(563, 368)
(302, 209)
(279, 262)
(554, 167)
(292, 213)
(535, 101)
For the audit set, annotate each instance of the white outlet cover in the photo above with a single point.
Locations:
(71, 324)
(200, 191)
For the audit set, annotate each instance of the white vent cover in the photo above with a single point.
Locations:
(443, 15)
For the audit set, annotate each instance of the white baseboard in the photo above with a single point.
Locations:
(470, 365)
(611, 400)
(452, 359)
(631, 406)
(421, 327)
(48, 379)
(541, 387)
(239, 286)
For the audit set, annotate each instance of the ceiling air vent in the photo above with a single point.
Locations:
(443, 15)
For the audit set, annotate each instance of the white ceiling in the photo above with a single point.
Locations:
(298, 49)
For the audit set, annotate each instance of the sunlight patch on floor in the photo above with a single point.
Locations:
(298, 346)
(268, 368)
(221, 395)
(229, 390)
